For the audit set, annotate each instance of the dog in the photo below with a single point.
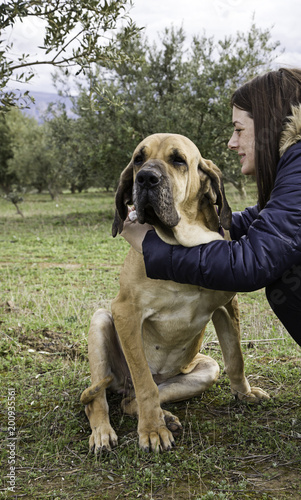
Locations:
(148, 347)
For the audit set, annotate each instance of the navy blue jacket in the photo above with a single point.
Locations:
(264, 243)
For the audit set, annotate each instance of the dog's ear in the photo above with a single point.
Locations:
(123, 198)
(214, 190)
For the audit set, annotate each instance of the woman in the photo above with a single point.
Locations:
(265, 250)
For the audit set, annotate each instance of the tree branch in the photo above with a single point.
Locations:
(68, 43)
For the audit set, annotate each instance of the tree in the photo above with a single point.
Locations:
(36, 160)
(77, 34)
(179, 91)
(7, 179)
(105, 140)
(9, 182)
(66, 136)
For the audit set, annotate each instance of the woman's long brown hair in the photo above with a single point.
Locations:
(268, 100)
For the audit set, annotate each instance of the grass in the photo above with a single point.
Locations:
(57, 266)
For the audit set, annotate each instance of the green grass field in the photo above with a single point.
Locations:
(58, 264)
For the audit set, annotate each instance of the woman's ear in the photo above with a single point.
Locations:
(215, 191)
(123, 198)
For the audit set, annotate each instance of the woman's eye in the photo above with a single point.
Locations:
(238, 130)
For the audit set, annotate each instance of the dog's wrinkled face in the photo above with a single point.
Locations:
(168, 180)
(160, 170)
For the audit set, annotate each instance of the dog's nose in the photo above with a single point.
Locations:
(148, 178)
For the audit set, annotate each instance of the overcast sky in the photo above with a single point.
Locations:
(217, 18)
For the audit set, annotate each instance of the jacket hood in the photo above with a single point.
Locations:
(292, 130)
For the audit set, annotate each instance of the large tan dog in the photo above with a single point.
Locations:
(148, 348)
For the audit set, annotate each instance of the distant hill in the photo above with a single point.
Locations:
(42, 101)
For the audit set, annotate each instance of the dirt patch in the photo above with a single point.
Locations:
(47, 341)
(283, 482)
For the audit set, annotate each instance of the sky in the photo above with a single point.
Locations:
(217, 18)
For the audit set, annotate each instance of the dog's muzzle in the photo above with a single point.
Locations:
(153, 197)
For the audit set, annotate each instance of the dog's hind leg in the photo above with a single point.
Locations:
(204, 371)
(108, 369)
(196, 378)
(226, 323)
(187, 385)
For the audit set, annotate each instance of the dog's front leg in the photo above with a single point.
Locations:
(105, 359)
(152, 430)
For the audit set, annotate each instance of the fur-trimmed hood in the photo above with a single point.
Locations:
(292, 130)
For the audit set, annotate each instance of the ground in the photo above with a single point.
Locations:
(57, 266)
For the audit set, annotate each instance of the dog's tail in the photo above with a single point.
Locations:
(89, 394)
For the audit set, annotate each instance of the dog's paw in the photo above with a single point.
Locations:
(103, 438)
(172, 422)
(255, 395)
(156, 439)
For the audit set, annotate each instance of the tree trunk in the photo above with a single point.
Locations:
(239, 185)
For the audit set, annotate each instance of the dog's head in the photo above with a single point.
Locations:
(170, 185)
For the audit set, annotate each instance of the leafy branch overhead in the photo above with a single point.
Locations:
(76, 34)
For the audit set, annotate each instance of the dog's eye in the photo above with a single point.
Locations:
(139, 159)
(178, 161)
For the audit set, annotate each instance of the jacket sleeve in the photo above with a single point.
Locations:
(241, 222)
(271, 246)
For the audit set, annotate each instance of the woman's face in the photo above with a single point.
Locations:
(243, 140)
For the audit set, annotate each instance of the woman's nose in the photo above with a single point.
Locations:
(232, 144)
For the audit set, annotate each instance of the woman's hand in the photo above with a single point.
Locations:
(134, 233)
